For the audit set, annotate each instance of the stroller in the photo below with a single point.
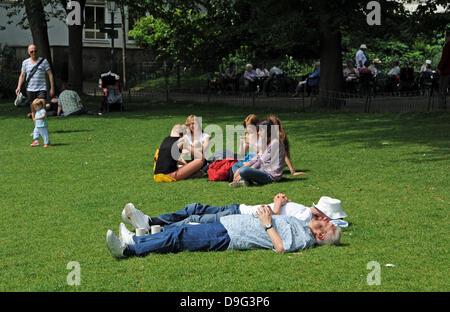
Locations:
(112, 97)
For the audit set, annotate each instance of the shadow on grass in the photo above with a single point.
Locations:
(292, 178)
(298, 170)
(342, 245)
(60, 144)
(69, 131)
(429, 156)
(329, 129)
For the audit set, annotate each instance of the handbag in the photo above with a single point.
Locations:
(23, 88)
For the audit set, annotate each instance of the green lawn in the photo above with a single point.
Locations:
(391, 172)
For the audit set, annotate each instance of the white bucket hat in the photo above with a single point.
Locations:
(428, 61)
(363, 46)
(331, 207)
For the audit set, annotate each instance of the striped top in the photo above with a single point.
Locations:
(37, 82)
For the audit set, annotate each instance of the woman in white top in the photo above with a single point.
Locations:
(195, 137)
(249, 142)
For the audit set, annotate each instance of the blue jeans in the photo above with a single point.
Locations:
(198, 213)
(43, 132)
(236, 166)
(201, 237)
(255, 175)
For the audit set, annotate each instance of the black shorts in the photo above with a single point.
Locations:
(32, 95)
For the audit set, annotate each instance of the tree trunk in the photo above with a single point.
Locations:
(124, 47)
(38, 26)
(75, 53)
(331, 78)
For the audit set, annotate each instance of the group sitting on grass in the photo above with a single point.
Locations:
(283, 226)
(265, 145)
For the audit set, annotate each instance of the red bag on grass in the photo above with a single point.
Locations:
(220, 170)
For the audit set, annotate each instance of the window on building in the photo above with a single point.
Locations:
(94, 17)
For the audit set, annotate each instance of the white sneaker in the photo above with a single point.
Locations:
(241, 183)
(115, 245)
(136, 218)
(19, 99)
(125, 235)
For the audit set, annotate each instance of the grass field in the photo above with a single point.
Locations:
(391, 172)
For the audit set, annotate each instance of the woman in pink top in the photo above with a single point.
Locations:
(268, 165)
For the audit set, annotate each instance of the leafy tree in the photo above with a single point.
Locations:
(185, 32)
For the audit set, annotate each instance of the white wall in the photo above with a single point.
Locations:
(16, 36)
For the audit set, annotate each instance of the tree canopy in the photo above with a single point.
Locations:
(204, 32)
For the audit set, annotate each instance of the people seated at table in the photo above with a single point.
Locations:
(375, 68)
(395, 70)
(261, 71)
(426, 67)
(263, 75)
(275, 71)
(351, 74)
(311, 83)
(231, 78)
(251, 79)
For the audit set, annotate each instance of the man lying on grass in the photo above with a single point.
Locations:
(281, 233)
(327, 207)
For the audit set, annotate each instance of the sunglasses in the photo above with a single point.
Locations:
(34, 51)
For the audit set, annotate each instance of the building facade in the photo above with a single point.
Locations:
(96, 44)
